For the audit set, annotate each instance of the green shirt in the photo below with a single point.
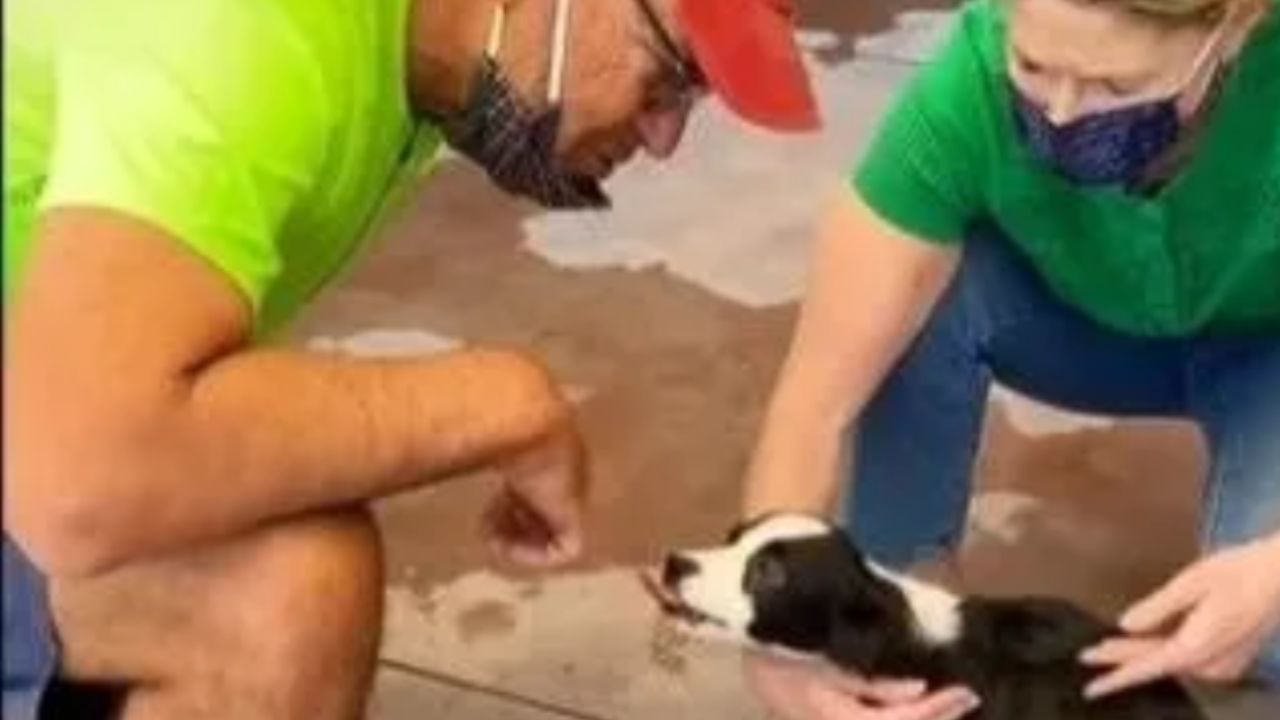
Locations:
(1201, 255)
(264, 135)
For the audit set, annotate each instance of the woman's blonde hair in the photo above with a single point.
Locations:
(1191, 12)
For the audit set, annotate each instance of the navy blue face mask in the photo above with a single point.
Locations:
(1101, 149)
(1104, 148)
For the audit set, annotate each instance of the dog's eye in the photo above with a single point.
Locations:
(765, 573)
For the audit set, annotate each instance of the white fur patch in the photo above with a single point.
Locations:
(717, 589)
(935, 611)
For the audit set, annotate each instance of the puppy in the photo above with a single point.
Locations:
(796, 584)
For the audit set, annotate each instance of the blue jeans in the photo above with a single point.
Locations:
(30, 648)
(919, 436)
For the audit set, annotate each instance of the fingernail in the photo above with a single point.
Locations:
(913, 687)
(905, 689)
(571, 545)
(968, 705)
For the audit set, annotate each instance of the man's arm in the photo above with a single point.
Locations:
(870, 290)
(139, 419)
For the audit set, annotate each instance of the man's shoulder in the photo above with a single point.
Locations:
(242, 70)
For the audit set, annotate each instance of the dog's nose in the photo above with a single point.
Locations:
(676, 568)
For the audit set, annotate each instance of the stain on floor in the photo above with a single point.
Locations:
(486, 621)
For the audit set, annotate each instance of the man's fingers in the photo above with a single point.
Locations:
(519, 534)
(1175, 598)
(553, 504)
(1120, 650)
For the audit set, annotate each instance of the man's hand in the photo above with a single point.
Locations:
(536, 519)
(795, 691)
(1209, 623)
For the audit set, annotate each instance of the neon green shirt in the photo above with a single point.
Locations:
(263, 135)
(1202, 255)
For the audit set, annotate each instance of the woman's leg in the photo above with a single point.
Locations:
(914, 446)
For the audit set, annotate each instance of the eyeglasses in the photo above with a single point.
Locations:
(682, 81)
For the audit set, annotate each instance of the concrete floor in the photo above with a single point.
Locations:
(666, 320)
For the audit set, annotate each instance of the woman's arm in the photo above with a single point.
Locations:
(871, 288)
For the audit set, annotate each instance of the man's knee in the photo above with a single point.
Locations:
(308, 617)
(280, 623)
(316, 587)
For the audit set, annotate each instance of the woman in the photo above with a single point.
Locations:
(1081, 199)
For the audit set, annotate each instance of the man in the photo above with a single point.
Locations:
(184, 517)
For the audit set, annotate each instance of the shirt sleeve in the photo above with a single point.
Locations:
(922, 171)
(201, 117)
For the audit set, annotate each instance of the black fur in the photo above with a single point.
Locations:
(818, 595)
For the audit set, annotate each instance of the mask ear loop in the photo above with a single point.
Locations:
(1211, 44)
(497, 27)
(555, 88)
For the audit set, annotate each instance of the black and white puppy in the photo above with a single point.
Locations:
(796, 584)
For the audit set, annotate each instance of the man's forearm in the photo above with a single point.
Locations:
(142, 417)
(263, 434)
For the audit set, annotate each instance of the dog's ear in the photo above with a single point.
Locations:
(868, 624)
(859, 637)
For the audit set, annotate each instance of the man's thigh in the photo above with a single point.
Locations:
(301, 598)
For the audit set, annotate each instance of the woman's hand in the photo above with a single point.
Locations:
(803, 691)
(1209, 623)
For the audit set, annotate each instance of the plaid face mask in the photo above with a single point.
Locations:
(514, 143)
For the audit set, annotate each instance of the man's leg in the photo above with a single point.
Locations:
(915, 445)
(1236, 399)
(281, 623)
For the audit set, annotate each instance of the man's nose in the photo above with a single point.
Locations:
(660, 131)
(677, 567)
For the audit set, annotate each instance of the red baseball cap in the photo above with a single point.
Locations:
(747, 51)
